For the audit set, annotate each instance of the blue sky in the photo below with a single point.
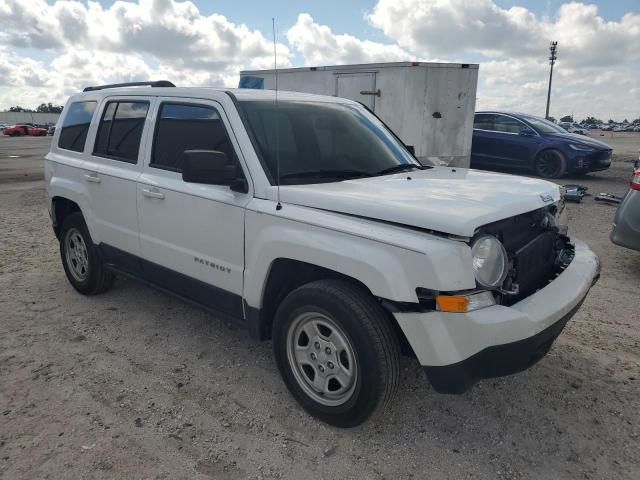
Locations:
(50, 48)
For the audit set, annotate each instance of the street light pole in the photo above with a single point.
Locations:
(553, 47)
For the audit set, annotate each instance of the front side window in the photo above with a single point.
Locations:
(183, 127)
(316, 142)
(73, 132)
(544, 126)
(120, 130)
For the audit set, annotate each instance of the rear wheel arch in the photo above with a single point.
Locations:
(61, 208)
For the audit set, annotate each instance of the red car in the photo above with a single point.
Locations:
(19, 130)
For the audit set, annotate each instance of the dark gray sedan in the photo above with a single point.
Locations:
(626, 225)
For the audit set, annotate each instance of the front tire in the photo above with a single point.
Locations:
(80, 259)
(336, 351)
(551, 164)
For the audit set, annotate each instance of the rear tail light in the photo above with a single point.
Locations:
(635, 180)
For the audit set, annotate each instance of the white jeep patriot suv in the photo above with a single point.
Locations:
(308, 222)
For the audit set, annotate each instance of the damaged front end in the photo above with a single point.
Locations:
(538, 250)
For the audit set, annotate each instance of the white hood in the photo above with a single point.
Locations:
(449, 200)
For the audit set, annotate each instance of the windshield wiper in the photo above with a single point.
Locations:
(340, 174)
(403, 167)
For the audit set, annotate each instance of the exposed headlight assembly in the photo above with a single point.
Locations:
(581, 148)
(490, 262)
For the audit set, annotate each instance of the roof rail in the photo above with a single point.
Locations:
(157, 83)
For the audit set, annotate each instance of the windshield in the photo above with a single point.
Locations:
(544, 126)
(322, 141)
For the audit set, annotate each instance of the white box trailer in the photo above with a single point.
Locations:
(428, 105)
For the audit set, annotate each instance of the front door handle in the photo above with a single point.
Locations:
(153, 193)
(93, 178)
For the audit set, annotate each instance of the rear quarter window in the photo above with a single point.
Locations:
(73, 132)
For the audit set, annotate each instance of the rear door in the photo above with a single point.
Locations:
(482, 145)
(517, 142)
(360, 87)
(192, 235)
(111, 171)
(502, 140)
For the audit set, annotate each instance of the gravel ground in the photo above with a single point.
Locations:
(134, 384)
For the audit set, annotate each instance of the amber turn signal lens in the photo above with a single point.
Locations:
(452, 304)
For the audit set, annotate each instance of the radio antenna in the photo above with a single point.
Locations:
(277, 125)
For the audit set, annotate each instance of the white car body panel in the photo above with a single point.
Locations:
(404, 259)
(205, 237)
(443, 199)
(391, 233)
(440, 338)
(112, 187)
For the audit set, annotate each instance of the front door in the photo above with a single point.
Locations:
(360, 87)
(192, 234)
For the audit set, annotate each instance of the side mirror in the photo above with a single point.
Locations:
(213, 168)
(525, 132)
(412, 149)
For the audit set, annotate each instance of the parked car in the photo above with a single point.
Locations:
(22, 129)
(516, 140)
(626, 224)
(606, 128)
(309, 222)
(51, 130)
(572, 127)
(3, 126)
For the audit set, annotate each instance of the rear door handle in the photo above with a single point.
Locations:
(153, 193)
(93, 178)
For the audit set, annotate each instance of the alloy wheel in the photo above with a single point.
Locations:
(322, 359)
(76, 255)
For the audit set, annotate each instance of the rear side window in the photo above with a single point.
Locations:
(483, 121)
(73, 133)
(506, 124)
(120, 130)
(183, 127)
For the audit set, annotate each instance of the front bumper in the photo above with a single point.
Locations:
(591, 162)
(457, 349)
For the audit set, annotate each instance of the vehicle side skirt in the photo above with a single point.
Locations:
(220, 302)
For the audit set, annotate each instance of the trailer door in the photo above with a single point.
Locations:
(360, 87)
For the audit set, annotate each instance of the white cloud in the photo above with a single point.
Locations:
(320, 46)
(599, 61)
(127, 41)
(455, 27)
(443, 27)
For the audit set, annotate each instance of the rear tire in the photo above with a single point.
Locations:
(551, 164)
(336, 351)
(80, 258)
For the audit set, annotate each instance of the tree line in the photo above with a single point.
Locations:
(42, 108)
(597, 121)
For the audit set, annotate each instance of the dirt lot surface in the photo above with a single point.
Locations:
(135, 384)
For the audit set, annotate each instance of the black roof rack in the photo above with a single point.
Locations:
(157, 83)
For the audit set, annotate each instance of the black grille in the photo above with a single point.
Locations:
(535, 262)
(535, 253)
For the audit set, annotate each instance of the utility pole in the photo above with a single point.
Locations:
(553, 48)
